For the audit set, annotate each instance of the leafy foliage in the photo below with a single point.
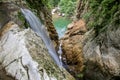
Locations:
(53, 3)
(101, 13)
(68, 7)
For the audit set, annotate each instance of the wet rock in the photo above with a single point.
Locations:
(44, 13)
(10, 10)
(23, 56)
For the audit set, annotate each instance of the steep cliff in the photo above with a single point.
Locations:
(10, 10)
(44, 12)
(100, 45)
(23, 56)
(72, 47)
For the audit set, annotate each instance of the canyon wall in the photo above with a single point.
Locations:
(99, 46)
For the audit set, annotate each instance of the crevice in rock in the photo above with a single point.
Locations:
(10, 63)
(25, 67)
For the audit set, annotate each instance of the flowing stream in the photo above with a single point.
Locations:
(60, 24)
(40, 30)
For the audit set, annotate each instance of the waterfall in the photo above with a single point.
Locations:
(60, 53)
(40, 30)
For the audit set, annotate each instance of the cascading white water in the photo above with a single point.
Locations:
(40, 30)
(60, 53)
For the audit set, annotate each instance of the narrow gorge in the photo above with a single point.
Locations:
(59, 40)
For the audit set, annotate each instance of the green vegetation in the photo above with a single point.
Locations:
(53, 3)
(22, 19)
(35, 4)
(101, 13)
(68, 7)
(80, 75)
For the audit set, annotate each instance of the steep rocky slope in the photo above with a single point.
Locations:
(10, 10)
(100, 45)
(23, 56)
(72, 47)
(44, 12)
(102, 54)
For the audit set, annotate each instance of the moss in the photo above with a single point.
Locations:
(101, 13)
(21, 18)
(80, 75)
(41, 9)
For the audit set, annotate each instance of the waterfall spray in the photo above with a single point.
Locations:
(40, 30)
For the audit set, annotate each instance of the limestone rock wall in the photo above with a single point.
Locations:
(23, 56)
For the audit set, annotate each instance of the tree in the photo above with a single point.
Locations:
(53, 3)
(68, 7)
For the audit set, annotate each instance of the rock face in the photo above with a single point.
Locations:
(82, 8)
(100, 46)
(102, 54)
(10, 10)
(72, 47)
(7, 12)
(23, 56)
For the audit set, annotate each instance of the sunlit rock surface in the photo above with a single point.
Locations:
(23, 56)
(72, 47)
